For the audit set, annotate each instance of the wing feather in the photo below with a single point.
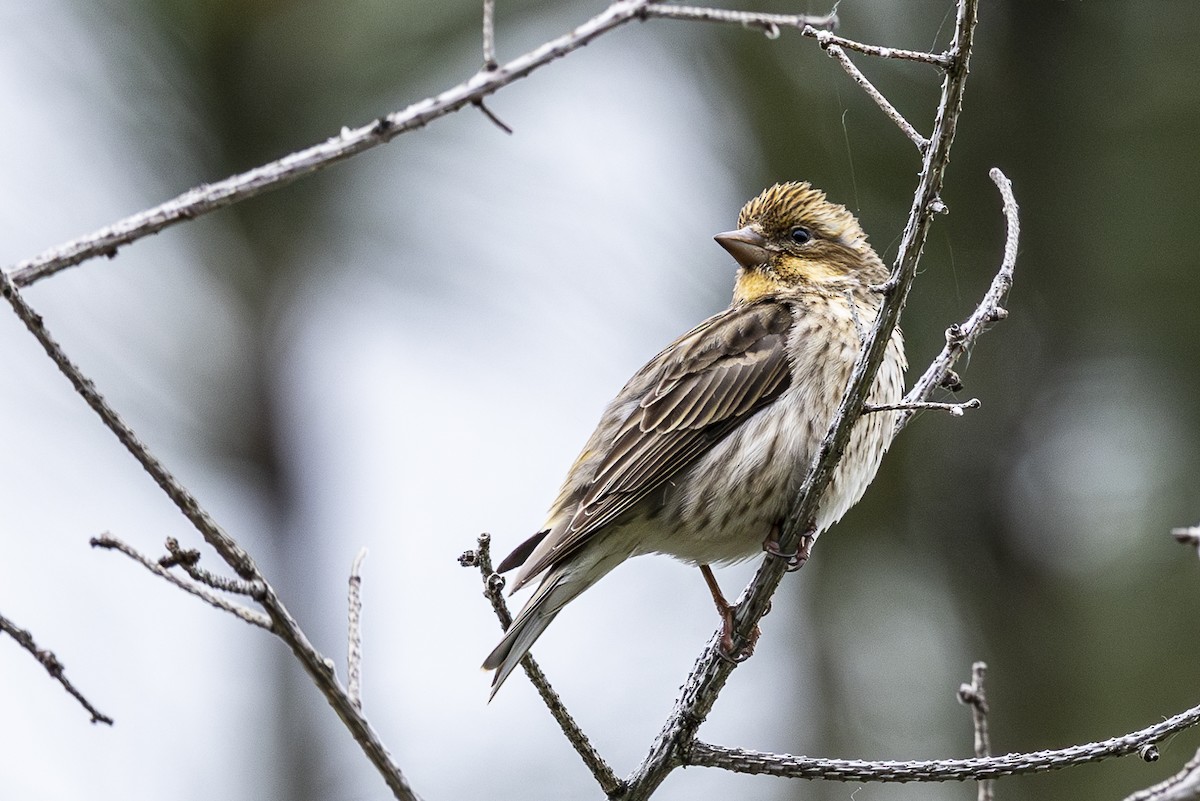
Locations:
(697, 390)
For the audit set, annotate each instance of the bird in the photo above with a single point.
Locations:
(700, 454)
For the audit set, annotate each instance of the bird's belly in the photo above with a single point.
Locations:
(722, 509)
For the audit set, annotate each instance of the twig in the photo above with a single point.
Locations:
(354, 632)
(827, 38)
(960, 337)
(934, 770)
(55, 668)
(768, 23)
(493, 590)
(710, 671)
(892, 113)
(487, 112)
(158, 568)
(189, 560)
(489, 35)
(1183, 786)
(955, 409)
(973, 695)
(207, 198)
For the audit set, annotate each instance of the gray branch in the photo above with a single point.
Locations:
(207, 198)
(961, 336)
(53, 666)
(711, 671)
(935, 770)
(283, 625)
(493, 590)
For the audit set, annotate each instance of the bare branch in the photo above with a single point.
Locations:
(892, 113)
(768, 23)
(160, 568)
(489, 36)
(935, 770)
(973, 695)
(354, 633)
(189, 560)
(487, 112)
(230, 551)
(207, 198)
(53, 666)
(955, 409)
(493, 590)
(827, 38)
(711, 672)
(960, 337)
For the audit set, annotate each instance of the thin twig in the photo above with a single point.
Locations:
(111, 543)
(955, 409)
(189, 560)
(493, 590)
(827, 38)
(53, 666)
(892, 113)
(354, 632)
(1183, 786)
(768, 23)
(710, 671)
(934, 770)
(973, 695)
(207, 198)
(489, 35)
(487, 112)
(960, 337)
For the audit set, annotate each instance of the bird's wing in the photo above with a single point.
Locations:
(698, 390)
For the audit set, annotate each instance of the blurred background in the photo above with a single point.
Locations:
(410, 348)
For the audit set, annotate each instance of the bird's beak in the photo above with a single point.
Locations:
(747, 246)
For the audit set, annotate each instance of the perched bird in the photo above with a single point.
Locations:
(700, 454)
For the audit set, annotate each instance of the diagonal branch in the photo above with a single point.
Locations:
(207, 198)
(230, 551)
(493, 590)
(891, 111)
(319, 667)
(711, 672)
(55, 668)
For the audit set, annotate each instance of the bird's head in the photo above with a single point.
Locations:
(791, 237)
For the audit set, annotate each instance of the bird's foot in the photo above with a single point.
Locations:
(727, 651)
(795, 560)
(725, 609)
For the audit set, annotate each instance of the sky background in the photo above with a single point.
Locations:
(410, 348)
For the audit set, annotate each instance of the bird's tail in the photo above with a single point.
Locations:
(558, 588)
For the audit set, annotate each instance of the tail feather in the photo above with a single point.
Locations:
(558, 588)
(538, 613)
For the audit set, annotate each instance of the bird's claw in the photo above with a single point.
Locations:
(795, 560)
(736, 656)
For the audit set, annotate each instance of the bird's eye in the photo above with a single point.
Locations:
(800, 235)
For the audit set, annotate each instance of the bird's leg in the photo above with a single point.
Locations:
(796, 560)
(726, 610)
